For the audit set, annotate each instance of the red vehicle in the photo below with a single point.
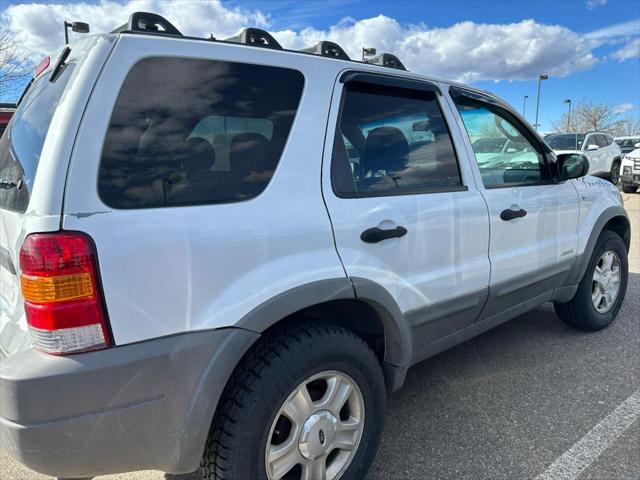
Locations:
(6, 112)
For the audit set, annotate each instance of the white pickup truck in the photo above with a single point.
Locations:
(221, 256)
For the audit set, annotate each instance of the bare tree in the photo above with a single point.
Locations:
(15, 70)
(589, 116)
(628, 126)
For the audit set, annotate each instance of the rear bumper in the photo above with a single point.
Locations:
(141, 406)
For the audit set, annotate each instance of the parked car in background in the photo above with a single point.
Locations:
(627, 144)
(6, 112)
(223, 255)
(603, 153)
(631, 170)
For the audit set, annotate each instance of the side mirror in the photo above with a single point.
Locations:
(80, 27)
(593, 146)
(572, 165)
(637, 145)
(421, 126)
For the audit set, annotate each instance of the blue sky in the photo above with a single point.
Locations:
(590, 48)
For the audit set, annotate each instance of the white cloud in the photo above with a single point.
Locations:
(629, 28)
(465, 51)
(623, 108)
(629, 51)
(592, 4)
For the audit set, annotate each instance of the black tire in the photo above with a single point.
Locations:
(629, 188)
(614, 174)
(580, 312)
(263, 381)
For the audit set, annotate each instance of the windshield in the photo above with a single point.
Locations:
(628, 142)
(568, 141)
(22, 142)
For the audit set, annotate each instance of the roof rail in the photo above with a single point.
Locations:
(387, 60)
(256, 38)
(327, 49)
(145, 22)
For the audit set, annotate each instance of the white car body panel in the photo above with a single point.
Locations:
(184, 270)
(45, 205)
(444, 253)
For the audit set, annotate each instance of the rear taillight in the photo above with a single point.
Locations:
(62, 296)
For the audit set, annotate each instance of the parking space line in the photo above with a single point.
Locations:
(585, 451)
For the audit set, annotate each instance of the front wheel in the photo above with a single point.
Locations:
(614, 173)
(306, 403)
(629, 188)
(602, 288)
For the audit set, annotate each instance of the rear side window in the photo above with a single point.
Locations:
(391, 141)
(21, 144)
(190, 131)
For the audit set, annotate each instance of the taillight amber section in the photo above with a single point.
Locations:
(56, 289)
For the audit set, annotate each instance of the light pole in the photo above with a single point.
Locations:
(524, 104)
(79, 27)
(540, 78)
(568, 100)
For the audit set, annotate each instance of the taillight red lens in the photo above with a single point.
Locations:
(43, 65)
(61, 290)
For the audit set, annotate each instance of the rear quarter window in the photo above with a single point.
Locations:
(190, 131)
(21, 143)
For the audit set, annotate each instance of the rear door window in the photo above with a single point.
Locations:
(189, 131)
(392, 141)
(22, 142)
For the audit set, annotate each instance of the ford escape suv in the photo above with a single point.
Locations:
(221, 256)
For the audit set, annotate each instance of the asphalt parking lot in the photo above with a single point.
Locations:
(531, 399)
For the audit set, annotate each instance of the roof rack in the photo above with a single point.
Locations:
(327, 49)
(145, 22)
(153, 24)
(387, 60)
(256, 38)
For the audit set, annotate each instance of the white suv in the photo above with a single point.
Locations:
(631, 171)
(221, 256)
(603, 153)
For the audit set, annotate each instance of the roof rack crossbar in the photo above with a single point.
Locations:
(145, 22)
(326, 48)
(387, 60)
(256, 38)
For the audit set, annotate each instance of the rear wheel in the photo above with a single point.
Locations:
(602, 288)
(629, 188)
(614, 173)
(306, 403)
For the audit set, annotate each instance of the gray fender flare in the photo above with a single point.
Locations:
(583, 261)
(398, 345)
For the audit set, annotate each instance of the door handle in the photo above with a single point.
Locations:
(510, 214)
(375, 235)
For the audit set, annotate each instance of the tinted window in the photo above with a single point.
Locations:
(571, 141)
(627, 142)
(21, 144)
(391, 141)
(187, 131)
(591, 140)
(601, 140)
(507, 155)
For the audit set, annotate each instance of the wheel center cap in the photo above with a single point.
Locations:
(317, 435)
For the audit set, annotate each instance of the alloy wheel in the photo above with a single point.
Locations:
(316, 433)
(606, 282)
